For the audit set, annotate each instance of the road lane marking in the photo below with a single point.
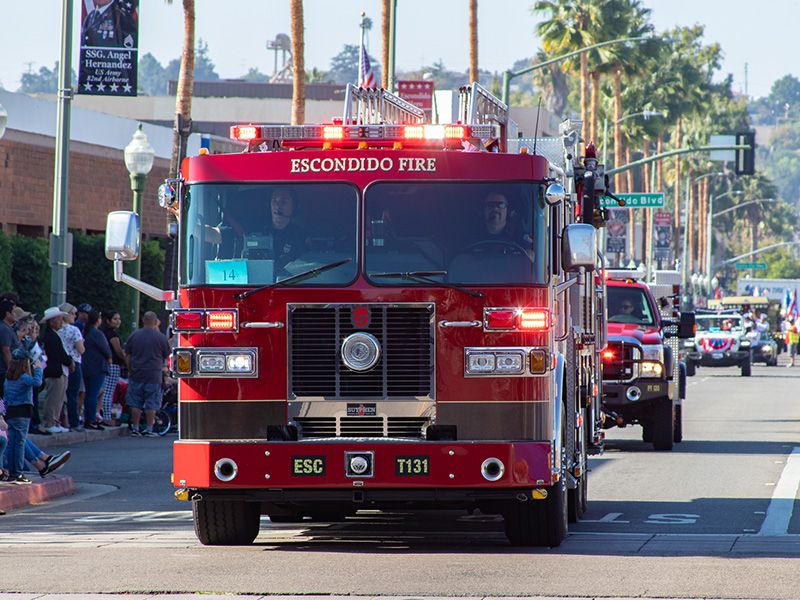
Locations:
(609, 518)
(672, 519)
(779, 511)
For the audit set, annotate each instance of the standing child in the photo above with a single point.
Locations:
(21, 379)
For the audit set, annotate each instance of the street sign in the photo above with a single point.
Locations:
(751, 265)
(655, 200)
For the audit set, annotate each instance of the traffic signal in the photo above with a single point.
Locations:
(746, 157)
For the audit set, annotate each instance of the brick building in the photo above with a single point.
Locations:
(98, 179)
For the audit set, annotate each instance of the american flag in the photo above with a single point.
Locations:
(792, 309)
(366, 78)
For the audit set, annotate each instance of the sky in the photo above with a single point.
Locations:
(237, 31)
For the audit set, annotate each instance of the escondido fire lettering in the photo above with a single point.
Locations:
(367, 165)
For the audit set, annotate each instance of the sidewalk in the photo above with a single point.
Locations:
(52, 486)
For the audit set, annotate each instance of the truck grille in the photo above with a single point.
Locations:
(357, 427)
(405, 367)
(622, 366)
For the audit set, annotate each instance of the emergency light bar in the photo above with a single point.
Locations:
(289, 136)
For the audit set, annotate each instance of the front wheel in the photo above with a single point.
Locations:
(226, 522)
(747, 368)
(677, 434)
(690, 368)
(663, 425)
(538, 522)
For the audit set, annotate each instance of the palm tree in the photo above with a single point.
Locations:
(298, 64)
(473, 41)
(385, 9)
(570, 25)
(183, 96)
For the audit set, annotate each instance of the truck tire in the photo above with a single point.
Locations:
(663, 425)
(540, 522)
(226, 522)
(690, 368)
(747, 368)
(677, 433)
(574, 501)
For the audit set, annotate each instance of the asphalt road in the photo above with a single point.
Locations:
(713, 518)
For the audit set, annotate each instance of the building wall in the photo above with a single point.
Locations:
(98, 183)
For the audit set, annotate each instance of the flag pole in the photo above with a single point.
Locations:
(361, 50)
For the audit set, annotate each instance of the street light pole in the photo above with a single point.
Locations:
(58, 240)
(508, 74)
(645, 113)
(710, 224)
(139, 156)
(392, 43)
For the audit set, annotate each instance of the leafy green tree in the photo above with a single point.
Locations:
(45, 81)
(784, 96)
(204, 69)
(153, 80)
(344, 66)
(781, 265)
(255, 76)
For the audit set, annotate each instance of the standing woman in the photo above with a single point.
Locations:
(95, 366)
(59, 366)
(111, 323)
(72, 339)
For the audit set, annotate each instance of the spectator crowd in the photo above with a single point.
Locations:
(69, 371)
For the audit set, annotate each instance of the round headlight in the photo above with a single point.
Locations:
(360, 351)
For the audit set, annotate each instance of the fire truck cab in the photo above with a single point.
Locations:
(380, 312)
(642, 373)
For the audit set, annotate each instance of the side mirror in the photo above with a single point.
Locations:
(663, 302)
(686, 326)
(166, 195)
(579, 247)
(122, 235)
(554, 194)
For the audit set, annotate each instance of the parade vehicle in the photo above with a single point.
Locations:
(641, 372)
(764, 349)
(721, 341)
(380, 313)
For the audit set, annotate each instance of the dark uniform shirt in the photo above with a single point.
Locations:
(114, 27)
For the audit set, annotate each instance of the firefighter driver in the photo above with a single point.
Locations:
(500, 226)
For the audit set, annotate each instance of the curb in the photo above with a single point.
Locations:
(54, 486)
(78, 437)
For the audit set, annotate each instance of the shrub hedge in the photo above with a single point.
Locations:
(24, 269)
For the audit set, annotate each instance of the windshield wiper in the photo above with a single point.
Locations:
(424, 277)
(294, 278)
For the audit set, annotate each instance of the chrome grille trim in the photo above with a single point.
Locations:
(362, 427)
(405, 371)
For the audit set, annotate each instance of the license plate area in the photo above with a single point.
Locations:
(717, 355)
(417, 465)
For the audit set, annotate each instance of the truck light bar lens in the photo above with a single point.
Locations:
(188, 320)
(483, 362)
(501, 319)
(239, 363)
(183, 362)
(534, 319)
(509, 362)
(332, 132)
(244, 133)
(538, 360)
(455, 132)
(414, 132)
(211, 363)
(651, 368)
(221, 320)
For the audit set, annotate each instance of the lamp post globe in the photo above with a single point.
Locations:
(3, 120)
(139, 156)
(714, 282)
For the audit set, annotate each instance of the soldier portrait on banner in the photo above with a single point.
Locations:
(662, 232)
(616, 230)
(109, 47)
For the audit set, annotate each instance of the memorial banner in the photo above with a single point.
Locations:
(617, 230)
(662, 234)
(109, 47)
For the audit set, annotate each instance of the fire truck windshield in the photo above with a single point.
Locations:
(629, 305)
(463, 233)
(260, 234)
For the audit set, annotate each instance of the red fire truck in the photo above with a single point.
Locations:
(380, 312)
